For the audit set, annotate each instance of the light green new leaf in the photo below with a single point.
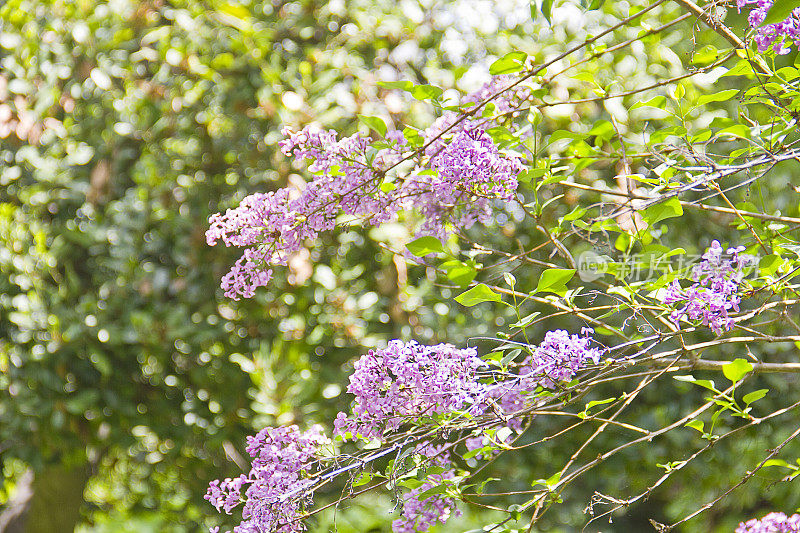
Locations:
(555, 280)
(525, 321)
(426, 92)
(769, 264)
(721, 96)
(547, 9)
(736, 369)
(477, 294)
(754, 396)
(705, 383)
(458, 272)
(402, 85)
(424, 246)
(659, 102)
(375, 123)
(668, 209)
(695, 424)
(511, 62)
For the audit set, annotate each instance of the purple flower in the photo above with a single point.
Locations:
(776, 34)
(715, 291)
(507, 102)
(771, 523)
(559, 358)
(556, 360)
(452, 190)
(407, 380)
(419, 515)
(470, 171)
(278, 483)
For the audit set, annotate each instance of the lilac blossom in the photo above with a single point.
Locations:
(715, 291)
(272, 226)
(408, 380)
(470, 170)
(419, 515)
(448, 125)
(771, 523)
(278, 482)
(559, 358)
(556, 360)
(772, 35)
(451, 188)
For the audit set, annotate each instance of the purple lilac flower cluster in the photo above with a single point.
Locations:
(774, 35)
(470, 171)
(406, 381)
(772, 523)
(272, 226)
(715, 291)
(558, 358)
(282, 459)
(393, 386)
(452, 189)
(419, 515)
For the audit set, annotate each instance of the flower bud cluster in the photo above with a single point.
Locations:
(419, 515)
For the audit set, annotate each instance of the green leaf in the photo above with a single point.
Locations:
(550, 482)
(769, 264)
(778, 462)
(235, 10)
(708, 384)
(722, 96)
(436, 489)
(525, 321)
(375, 123)
(424, 246)
(511, 62)
(594, 403)
(363, 479)
(426, 92)
(555, 280)
(598, 402)
(402, 85)
(695, 424)
(736, 369)
(780, 11)
(458, 272)
(477, 294)
(413, 137)
(563, 134)
(754, 396)
(547, 9)
(670, 208)
(526, 176)
(477, 451)
(659, 102)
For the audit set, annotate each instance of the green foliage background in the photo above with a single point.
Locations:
(124, 125)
